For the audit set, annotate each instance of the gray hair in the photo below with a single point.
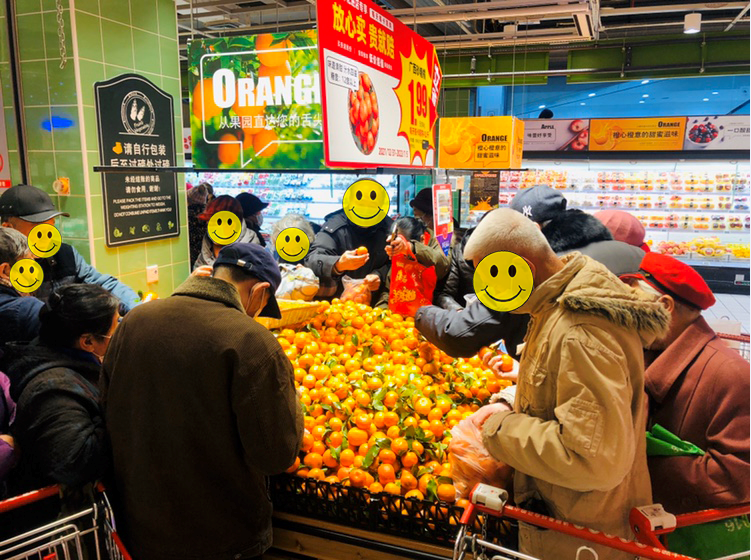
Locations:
(292, 220)
(504, 229)
(13, 245)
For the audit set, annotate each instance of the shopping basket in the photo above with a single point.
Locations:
(294, 312)
(84, 534)
(647, 523)
(739, 342)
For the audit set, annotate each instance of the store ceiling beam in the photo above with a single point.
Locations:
(738, 17)
(547, 12)
(484, 7)
(670, 8)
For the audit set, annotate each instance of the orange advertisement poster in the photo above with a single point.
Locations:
(480, 143)
(637, 135)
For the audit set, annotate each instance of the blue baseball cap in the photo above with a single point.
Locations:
(257, 262)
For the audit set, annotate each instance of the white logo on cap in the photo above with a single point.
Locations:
(527, 211)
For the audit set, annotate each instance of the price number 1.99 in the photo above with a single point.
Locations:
(418, 94)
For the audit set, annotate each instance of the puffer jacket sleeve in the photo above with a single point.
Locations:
(432, 255)
(268, 411)
(321, 259)
(446, 297)
(68, 438)
(589, 444)
(463, 333)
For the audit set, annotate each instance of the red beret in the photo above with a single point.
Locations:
(675, 278)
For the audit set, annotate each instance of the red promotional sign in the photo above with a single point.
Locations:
(380, 87)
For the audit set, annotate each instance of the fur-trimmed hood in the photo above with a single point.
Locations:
(586, 286)
(574, 229)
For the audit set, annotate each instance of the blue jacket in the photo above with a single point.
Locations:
(19, 316)
(69, 267)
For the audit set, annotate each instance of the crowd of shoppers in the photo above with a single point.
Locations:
(611, 345)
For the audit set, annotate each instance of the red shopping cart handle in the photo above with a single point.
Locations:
(29, 498)
(591, 535)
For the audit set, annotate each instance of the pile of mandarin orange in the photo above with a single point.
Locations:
(380, 401)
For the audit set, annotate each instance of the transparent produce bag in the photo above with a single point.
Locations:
(471, 463)
(357, 290)
(298, 283)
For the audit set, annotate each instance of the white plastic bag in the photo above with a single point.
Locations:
(298, 282)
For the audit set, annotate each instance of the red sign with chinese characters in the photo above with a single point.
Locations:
(380, 87)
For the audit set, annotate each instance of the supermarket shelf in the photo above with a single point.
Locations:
(670, 210)
(634, 192)
(707, 261)
(694, 230)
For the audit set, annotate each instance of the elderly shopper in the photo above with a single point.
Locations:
(19, 313)
(576, 434)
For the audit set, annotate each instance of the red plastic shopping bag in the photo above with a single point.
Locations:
(412, 285)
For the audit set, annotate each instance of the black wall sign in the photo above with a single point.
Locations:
(136, 129)
(484, 190)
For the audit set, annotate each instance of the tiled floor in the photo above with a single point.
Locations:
(732, 307)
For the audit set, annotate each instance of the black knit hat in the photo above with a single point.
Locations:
(423, 201)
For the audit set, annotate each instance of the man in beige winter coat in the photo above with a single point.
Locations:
(576, 436)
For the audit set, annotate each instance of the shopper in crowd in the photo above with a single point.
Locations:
(59, 426)
(625, 227)
(198, 199)
(333, 254)
(576, 434)
(458, 281)
(698, 390)
(291, 221)
(417, 242)
(253, 208)
(539, 203)
(8, 451)
(195, 428)
(422, 207)
(19, 313)
(209, 249)
(22, 207)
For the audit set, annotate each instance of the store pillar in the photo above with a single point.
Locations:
(62, 48)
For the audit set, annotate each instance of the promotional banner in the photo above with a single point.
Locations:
(380, 85)
(136, 127)
(556, 135)
(256, 102)
(443, 216)
(639, 135)
(481, 142)
(729, 132)
(484, 190)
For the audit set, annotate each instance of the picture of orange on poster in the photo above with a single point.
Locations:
(480, 143)
(638, 135)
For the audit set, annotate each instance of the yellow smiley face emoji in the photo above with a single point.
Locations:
(292, 244)
(366, 203)
(44, 240)
(224, 228)
(503, 281)
(26, 276)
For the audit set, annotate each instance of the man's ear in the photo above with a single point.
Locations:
(532, 267)
(5, 270)
(667, 302)
(539, 225)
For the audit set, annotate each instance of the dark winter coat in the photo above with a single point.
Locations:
(339, 235)
(459, 280)
(196, 229)
(195, 428)
(69, 267)
(19, 316)
(573, 229)
(59, 426)
(7, 412)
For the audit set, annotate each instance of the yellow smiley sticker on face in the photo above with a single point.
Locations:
(292, 244)
(503, 281)
(224, 228)
(26, 276)
(44, 240)
(366, 203)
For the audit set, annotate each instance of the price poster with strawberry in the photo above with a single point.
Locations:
(380, 83)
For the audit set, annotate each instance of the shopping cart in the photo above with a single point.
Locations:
(86, 534)
(738, 341)
(648, 524)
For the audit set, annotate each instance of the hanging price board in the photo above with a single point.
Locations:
(380, 83)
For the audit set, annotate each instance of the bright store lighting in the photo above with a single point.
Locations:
(715, 93)
(642, 101)
(541, 107)
(692, 23)
(582, 103)
(645, 95)
(643, 82)
(592, 94)
(705, 99)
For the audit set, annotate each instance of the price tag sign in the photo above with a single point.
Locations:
(380, 84)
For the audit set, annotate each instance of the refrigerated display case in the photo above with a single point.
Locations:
(696, 211)
(313, 195)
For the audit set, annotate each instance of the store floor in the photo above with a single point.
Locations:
(730, 307)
